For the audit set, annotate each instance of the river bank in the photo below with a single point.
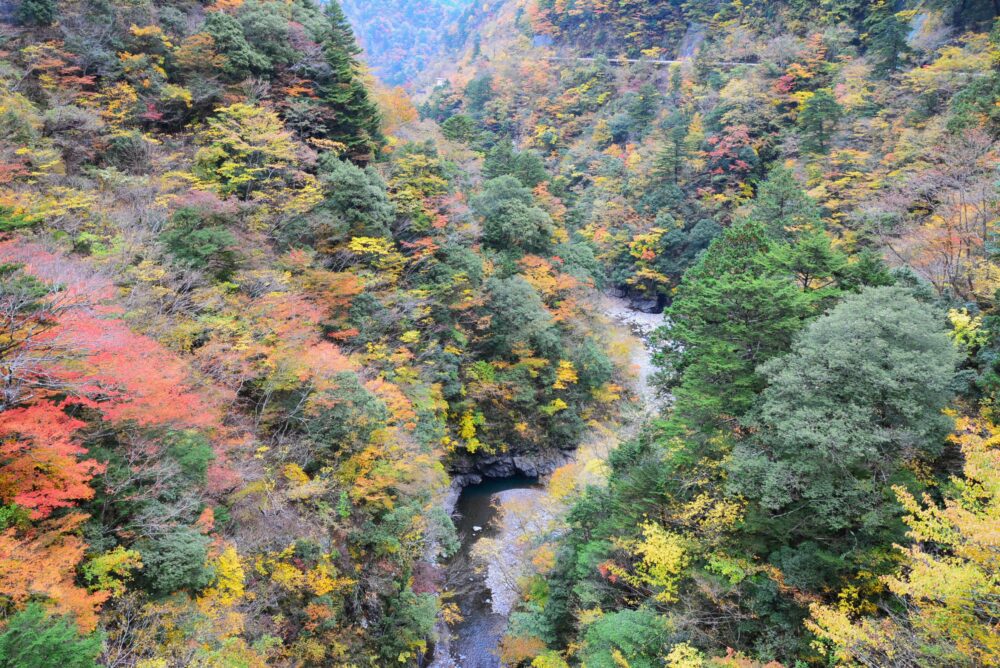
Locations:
(495, 516)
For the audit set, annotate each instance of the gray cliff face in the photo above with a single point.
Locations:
(471, 470)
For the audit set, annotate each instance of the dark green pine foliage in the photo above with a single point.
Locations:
(353, 118)
(782, 206)
(242, 59)
(818, 121)
(33, 639)
(733, 310)
(672, 154)
(886, 31)
(36, 12)
(858, 398)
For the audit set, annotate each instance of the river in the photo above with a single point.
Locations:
(493, 515)
(485, 594)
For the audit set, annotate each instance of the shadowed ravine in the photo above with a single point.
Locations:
(483, 595)
(486, 594)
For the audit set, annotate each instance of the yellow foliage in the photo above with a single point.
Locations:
(965, 328)
(549, 660)
(565, 375)
(950, 577)
(955, 66)
(563, 481)
(662, 556)
(109, 571)
(467, 431)
(54, 203)
(607, 393)
(554, 406)
(544, 558)
(117, 104)
(684, 655)
(228, 588)
(295, 475)
(321, 579)
(379, 252)
(370, 246)
(288, 576)
(152, 663)
(246, 150)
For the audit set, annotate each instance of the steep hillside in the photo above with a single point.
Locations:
(261, 317)
(402, 38)
(812, 175)
(249, 329)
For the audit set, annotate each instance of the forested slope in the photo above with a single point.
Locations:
(402, 38)
(255, 314)
(813, 197)
(247, 329)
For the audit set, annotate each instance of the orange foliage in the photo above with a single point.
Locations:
(88, 353)
(516, 650)
(400, 408)
(102, 361)
(40, 465)
(40, 562)
(396, 108)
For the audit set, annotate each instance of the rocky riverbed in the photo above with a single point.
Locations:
(482, 575)
(499, 503)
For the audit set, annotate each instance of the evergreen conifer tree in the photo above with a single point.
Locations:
(355, 119)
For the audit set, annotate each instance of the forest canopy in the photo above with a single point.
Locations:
(278, 279)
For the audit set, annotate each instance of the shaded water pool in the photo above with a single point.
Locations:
(484, 616)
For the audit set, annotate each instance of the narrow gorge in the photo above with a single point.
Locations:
(497, 517)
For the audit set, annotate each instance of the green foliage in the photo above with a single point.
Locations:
(642, 108)
(732, 312)
(859, 396)
(478, 92)
(637, 636)
(818, 121)
(36, 12)
(518, 316)
(129, 152)
(357, 197)
(782, 206)
(409, 621)
(201, 242)
(813, 263)
(13, 516)
(21, 294)
(343, 419)
(175, 561)
(241, 58)
(460, 128)
(370, 317)
(670, 159)
(266, 28)
(193, 452)
(457, 328)
(353, 118)
(526, 166)
(511, 221)
(887, 31)
(578, 260)
(11, 220)
(34, 639)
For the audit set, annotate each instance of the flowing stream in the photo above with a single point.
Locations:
(485, 596)
(490, 524)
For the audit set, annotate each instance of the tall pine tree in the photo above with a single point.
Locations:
(353, 119)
